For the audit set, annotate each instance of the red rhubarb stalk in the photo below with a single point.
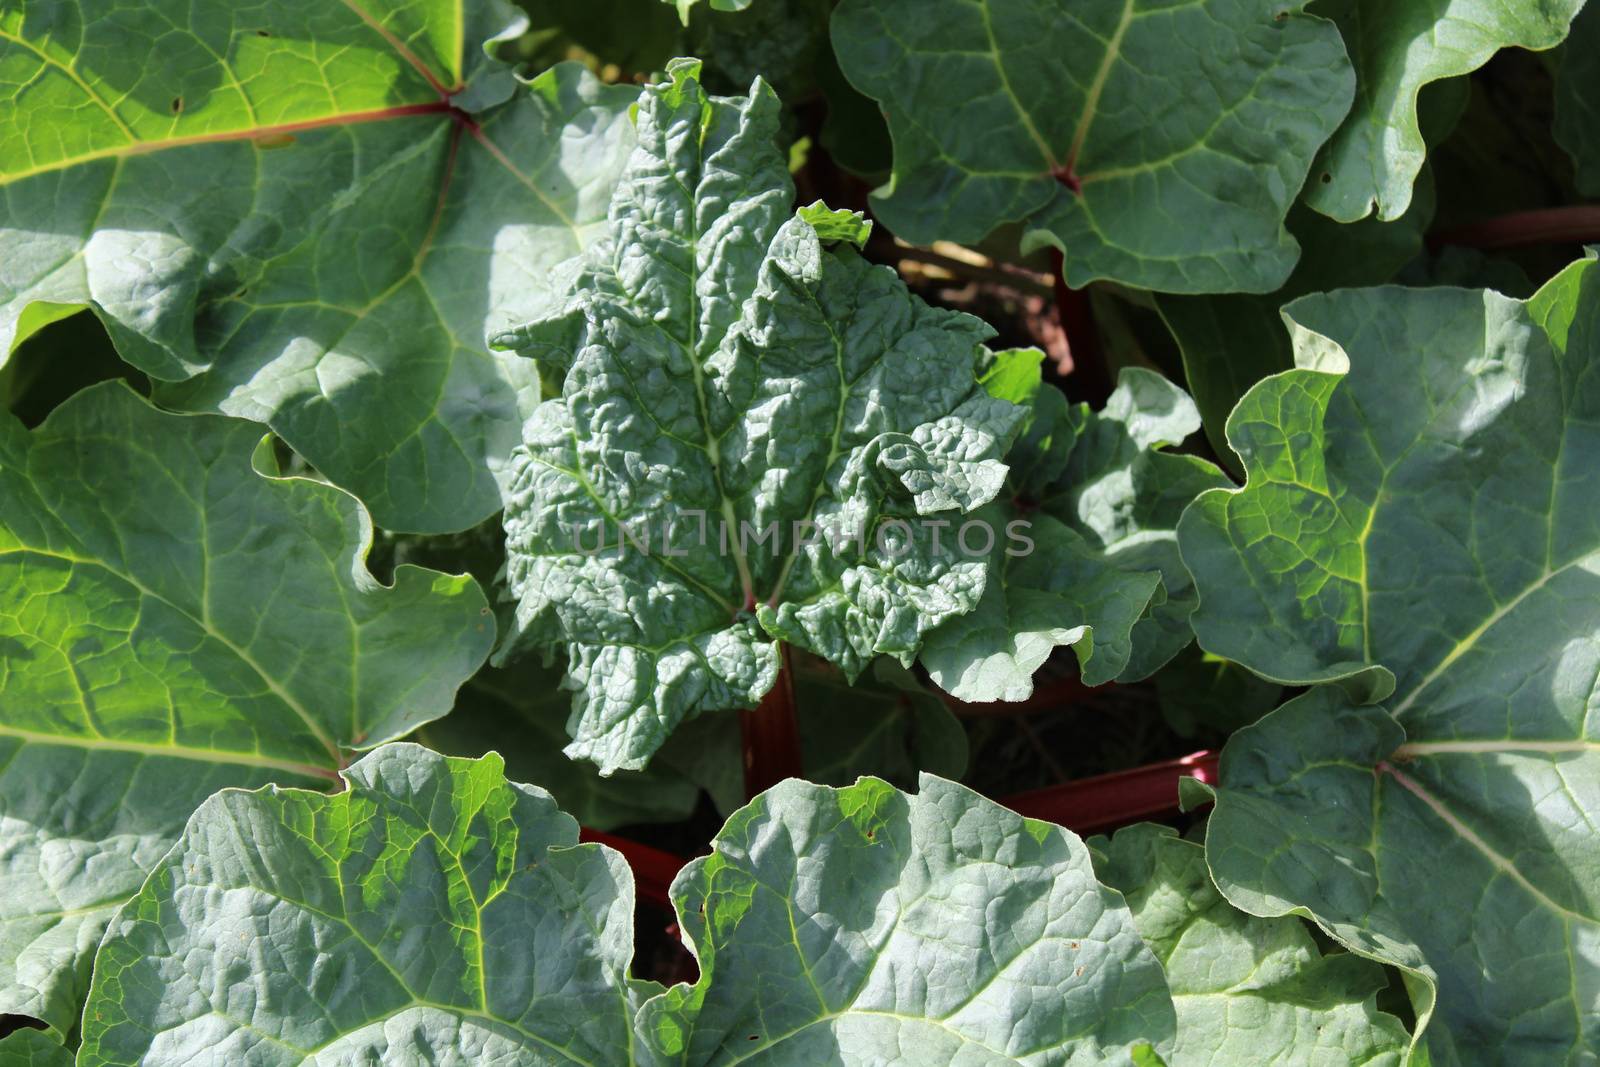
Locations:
(1579, 224)
(1090, 805)
(1091, 378)
(653, 869)
(772, 734)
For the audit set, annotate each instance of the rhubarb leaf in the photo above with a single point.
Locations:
(754, 425)
(1086, 546)
(173, 622)
(1247, 990)
(1154, 144)
(1372, 161)
(306, 214)
(431, 913)
(1418, 526)
(864, 925)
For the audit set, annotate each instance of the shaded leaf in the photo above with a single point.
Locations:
(521, 713)
(887, 725)
(1040, 111)
(30, 1048)
(1247, 990)
(1577, 92)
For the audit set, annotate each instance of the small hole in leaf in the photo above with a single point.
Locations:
(755, 1037)
(177, 104)
(263, 33)
(1327, 179)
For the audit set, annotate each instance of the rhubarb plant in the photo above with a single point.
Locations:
(434, 912)
(512, 552)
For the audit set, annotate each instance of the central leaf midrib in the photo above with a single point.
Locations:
(173, 751)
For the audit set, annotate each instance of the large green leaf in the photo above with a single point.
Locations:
(431, 913)
(1247, 990)
(1153, 143)
(307, 214)
(172, 622)
(864, 926)
(737, 380)
(1398, 48)
(435, 913)
(1419, 527)
(1089, 554)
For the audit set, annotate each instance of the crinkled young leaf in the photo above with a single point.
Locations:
(867, 926)
(1372, 161)
(1246, 989)
(431, 913)
(173, 622)
(1419, 525)
(732, 387)
(307, 214)
(30, 1048)
(1085, 550)
(1155, 144)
